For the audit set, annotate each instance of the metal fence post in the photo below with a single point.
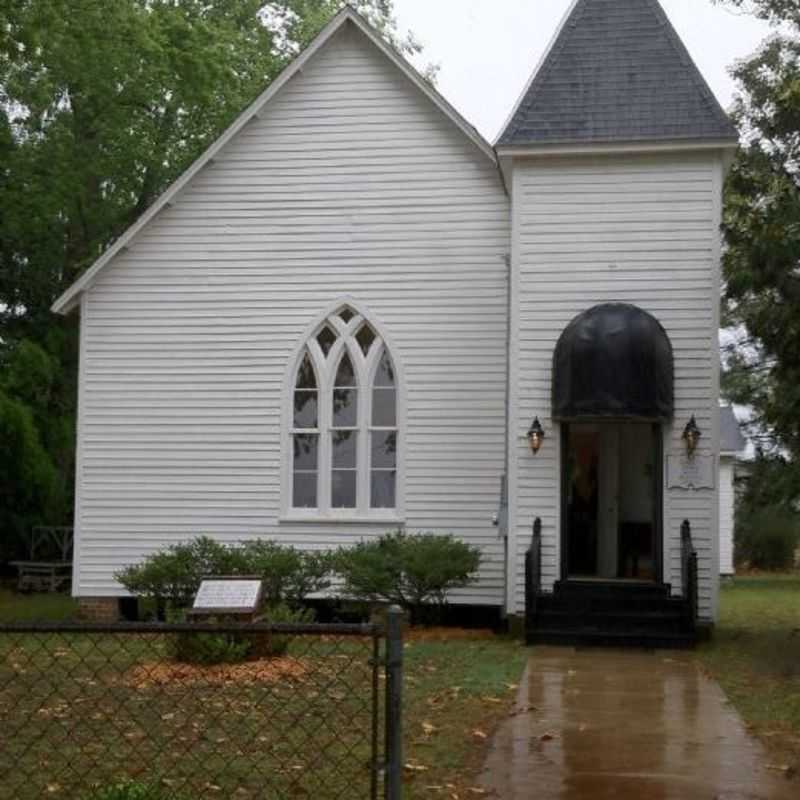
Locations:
(394, 703)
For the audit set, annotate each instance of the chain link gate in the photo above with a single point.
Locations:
(88, 708)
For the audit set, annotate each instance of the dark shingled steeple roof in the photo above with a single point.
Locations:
(618, 72)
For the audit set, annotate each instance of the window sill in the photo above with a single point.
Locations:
(344, 519)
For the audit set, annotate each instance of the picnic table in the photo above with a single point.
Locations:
(49, 564)
(42, 576)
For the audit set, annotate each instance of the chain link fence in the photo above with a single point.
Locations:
(87, 708)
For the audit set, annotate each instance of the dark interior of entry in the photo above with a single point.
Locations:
(611, 500)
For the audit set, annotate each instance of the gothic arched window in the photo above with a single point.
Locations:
(345, 433)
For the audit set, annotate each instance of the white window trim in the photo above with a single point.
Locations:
(325, 368)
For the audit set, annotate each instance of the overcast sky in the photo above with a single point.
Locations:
(487, 49)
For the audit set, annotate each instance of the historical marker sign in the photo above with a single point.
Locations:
(228, 596)
(690, 473)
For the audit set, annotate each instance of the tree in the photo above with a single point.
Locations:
(761, 303)
(102, 105)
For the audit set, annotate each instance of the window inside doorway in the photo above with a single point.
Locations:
(612, 500)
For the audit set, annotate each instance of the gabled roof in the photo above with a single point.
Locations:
(616, 72)
(70, 298)
(730, 433)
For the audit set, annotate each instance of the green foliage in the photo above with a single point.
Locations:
(212, 648)
(102, 105)
(271, 645)
(289, 575)
(172, 576)
(133, 791)
(406, 569)
(233, 648)
(767, 538)
(762, 234)
(28, 481)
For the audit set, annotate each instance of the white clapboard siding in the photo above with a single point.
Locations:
(727, 499)
(591, 230)
(352, 184)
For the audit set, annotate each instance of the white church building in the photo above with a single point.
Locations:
(353, 314)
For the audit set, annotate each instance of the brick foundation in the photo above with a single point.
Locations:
(98, 609)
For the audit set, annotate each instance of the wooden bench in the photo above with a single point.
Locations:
(48, 567)
(43, 576)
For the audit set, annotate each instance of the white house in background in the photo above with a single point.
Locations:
(731, 445)
(346, 315)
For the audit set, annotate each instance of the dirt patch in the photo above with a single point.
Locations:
(158, 673)
(441, 634)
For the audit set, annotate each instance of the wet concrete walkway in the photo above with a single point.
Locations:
(636, 725)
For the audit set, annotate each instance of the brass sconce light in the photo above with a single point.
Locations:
(692, 435)
(536, 436)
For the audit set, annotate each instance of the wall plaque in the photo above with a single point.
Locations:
(691, 473)
(228, 596)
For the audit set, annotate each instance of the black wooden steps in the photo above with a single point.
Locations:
(611, 614)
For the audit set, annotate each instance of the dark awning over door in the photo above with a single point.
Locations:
(614, 360)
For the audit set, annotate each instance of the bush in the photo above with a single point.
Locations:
(767, 538)
(233, 648)
(133, 791)
(409, 570)
(270, 645)
(289, 575)
(212, 648)
(172, 577)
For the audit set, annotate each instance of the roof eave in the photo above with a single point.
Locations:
(557, 148)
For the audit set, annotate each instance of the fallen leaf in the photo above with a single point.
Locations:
(547, 737)
(521, 710)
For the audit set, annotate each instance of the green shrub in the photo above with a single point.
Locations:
(767, 538)
(212, 648)
(270, 645)
(133, 791)
(288, 575)
(409, 570)
(233, 648)
(172, 577)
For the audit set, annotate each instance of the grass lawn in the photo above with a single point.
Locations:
(83, 710)
(755, 655)
(35, 607)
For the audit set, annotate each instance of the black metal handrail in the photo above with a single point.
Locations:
(533, 573)
(689, 574)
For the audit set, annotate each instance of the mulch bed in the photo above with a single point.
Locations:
(158, 673)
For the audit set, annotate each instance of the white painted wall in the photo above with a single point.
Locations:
(351, 183)
(727, 500)
(594, 229)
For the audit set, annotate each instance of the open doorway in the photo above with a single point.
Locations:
(612, 501)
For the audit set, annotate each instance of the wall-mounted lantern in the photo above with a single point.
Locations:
(536, 436)
(692, 435)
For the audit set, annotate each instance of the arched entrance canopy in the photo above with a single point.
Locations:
(613, 360)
